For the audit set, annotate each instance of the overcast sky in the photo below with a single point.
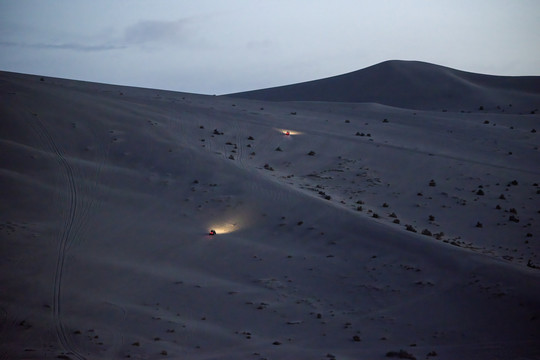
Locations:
(218, 46)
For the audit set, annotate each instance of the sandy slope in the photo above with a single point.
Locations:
(108, 194)
(415, 85)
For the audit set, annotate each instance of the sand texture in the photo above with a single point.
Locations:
(403, 224)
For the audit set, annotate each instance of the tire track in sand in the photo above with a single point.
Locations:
(66, 237)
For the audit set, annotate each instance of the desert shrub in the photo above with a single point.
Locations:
(426, 232)
(513, 218)
(480, 192)
(293, 112)
(396, 221)
(278, 149)
(393, 215)
(439, 235)
(502, 197)
(410, 228)
(401, 354)
(431, 218)
(250, 138)
(359, 208)
(347, 121)
(385, 121)
(375, 215)
(533, 131)
(481, 107)
(231, 157)
(432, 183)
(479, 224)
(311, 153)
(385, 205)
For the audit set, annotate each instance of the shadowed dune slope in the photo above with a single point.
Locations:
(344, 230)
(413, 85)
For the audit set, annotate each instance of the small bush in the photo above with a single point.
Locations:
(401, 354)
(439, 235)
(311, 153)
(396, 221)
(278, 149)
(426, 232)
(432, 183)
(410, 228)
(480, 192)
(479, 224)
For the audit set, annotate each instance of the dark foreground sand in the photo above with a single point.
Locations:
(108, 193)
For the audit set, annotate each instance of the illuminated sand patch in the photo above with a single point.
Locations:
(223, 228)
(289, 132)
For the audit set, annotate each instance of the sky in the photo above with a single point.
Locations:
(219, 47)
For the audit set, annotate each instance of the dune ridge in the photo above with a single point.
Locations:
(414, 85)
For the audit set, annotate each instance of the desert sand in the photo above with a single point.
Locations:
(389, 213)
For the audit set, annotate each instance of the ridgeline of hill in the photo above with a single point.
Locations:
(413, 85)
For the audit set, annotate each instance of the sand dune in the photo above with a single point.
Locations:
(109, 192)
(415, 85)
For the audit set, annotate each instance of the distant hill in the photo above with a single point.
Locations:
(415, 85)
